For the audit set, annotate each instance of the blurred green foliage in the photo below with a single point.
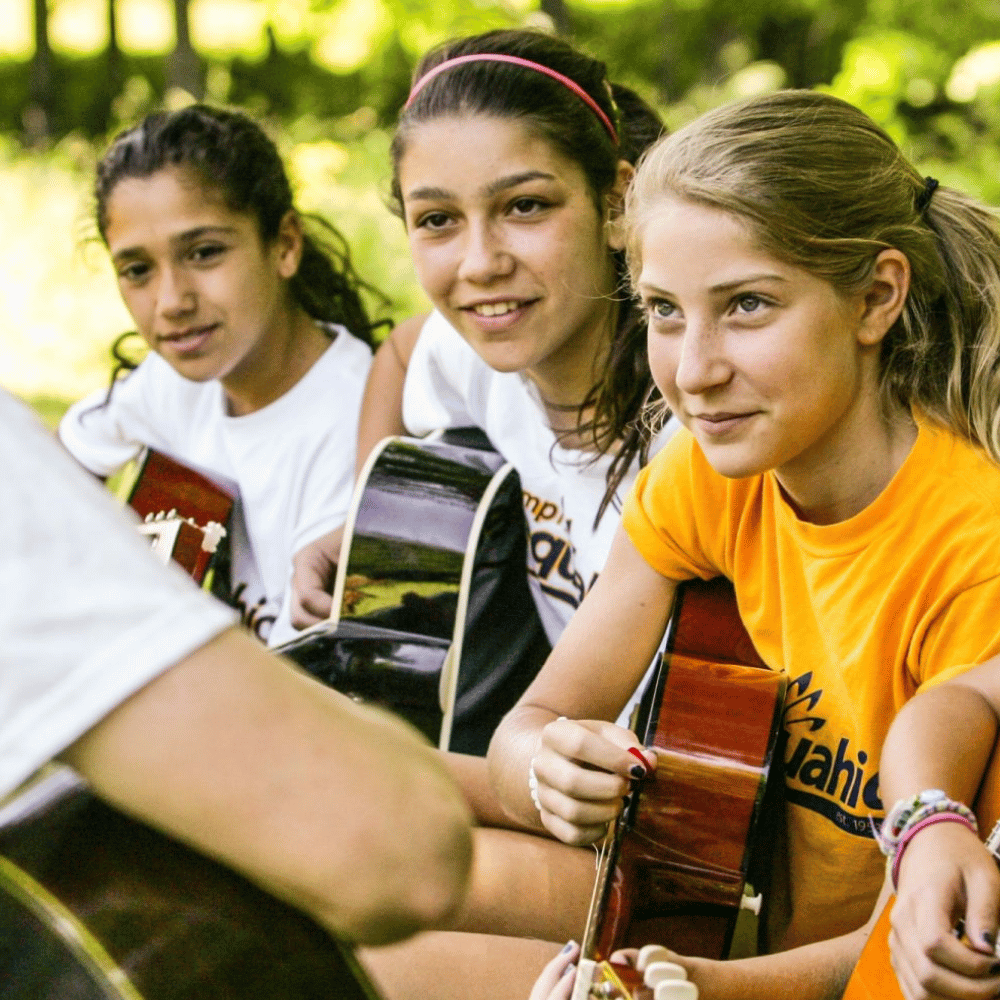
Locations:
(928, 72)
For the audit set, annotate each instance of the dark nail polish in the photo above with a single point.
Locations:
(638, 772)
(571, 968)
(568, 946)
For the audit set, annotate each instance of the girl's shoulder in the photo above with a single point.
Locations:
(957, 469)
(447, 381)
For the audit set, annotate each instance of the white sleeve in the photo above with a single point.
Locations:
(444, 380)
(89, 615)
(326, 481)
(103, 433)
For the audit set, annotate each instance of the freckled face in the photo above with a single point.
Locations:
(202, 288)
(507, 242)
(759, 359)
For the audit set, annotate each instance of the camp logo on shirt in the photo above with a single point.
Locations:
(550, 553)
(820, 774)
(251, 614)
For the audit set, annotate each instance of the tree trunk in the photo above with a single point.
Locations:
(184, 68)
(99, 118)
(559, 14)
(38, 115)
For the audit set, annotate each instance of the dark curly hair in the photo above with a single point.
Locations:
(230, 153)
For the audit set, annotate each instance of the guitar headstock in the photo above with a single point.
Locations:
(183, 540)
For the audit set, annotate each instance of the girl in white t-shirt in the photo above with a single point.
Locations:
(511, 160)
(259, 341)
(509, 164)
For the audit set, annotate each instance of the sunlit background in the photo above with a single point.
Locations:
(326, 77)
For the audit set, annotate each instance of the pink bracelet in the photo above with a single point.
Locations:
(908, 835)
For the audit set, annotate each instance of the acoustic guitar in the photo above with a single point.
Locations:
(97, 906)
(690, 849)
(873, 977)
(433, 617)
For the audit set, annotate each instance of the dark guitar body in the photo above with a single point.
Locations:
(695, 833)
(96, 906)
(434, 616)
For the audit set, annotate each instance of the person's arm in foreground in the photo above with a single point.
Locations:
(582, 763)
(943, 739)
(315, 565)
(339, 809)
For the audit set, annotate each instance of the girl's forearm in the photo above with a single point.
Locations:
(817, 971)
(942, 738)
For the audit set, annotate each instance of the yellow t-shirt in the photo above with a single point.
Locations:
(859, 615)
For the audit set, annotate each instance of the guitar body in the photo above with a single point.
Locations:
(693, 836)
(873, 977)
(96, 906)
(184, 513)
(433, 618)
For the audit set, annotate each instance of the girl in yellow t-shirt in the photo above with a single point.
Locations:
(825, 322)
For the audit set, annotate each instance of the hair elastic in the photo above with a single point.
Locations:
(501, 57)
(924, 198)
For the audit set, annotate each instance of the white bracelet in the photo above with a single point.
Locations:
(533, 786)
(533, 778)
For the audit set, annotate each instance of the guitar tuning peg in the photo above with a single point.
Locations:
(675, 989)
(652, 953)
(148, 519)
(752, 903)
(662, 972)
(213, 534)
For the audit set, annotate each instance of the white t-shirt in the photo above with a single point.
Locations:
(292, 462)
(449, 385)
(88, 616)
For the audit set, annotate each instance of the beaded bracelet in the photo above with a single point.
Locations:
(908, 812)
(944, 816)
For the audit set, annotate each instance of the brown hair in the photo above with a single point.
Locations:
(823, 188)
(503, 90)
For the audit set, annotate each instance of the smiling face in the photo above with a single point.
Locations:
(769, 366)
(203, 289)
(509, 245)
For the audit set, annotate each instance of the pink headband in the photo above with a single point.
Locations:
(516, 61)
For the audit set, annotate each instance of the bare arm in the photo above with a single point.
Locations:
(817, 971)
(382, 404)
(339, 809)
(583, 767)
(943, 738)
(314, 567)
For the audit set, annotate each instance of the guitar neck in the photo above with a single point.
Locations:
(687, 853)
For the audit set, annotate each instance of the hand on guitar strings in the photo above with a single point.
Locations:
(583, 770)
(944, 921)
(314, 567)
